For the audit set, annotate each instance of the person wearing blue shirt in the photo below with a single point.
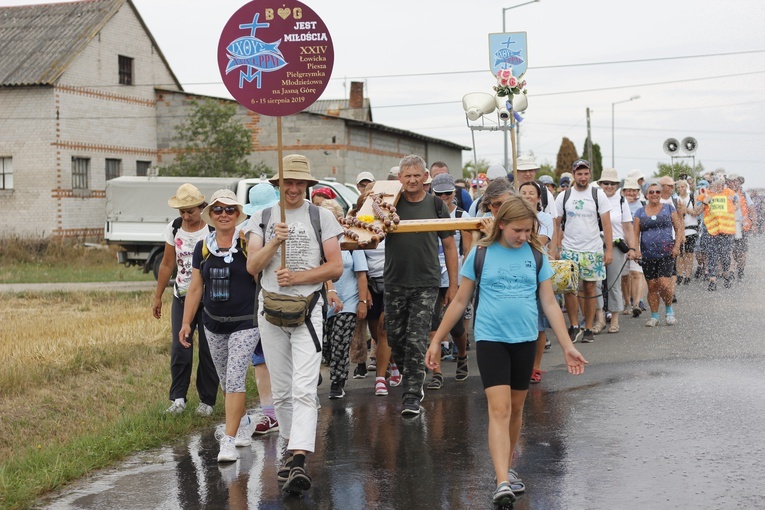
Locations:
(509, 289)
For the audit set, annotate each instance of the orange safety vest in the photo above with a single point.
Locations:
(720, 212)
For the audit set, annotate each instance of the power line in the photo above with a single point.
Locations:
(615, 87)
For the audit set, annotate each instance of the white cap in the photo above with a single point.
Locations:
(395, 170)
(365, 176)
(495, 172)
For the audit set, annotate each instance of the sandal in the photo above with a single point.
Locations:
(536, 376)
(598, 327)
(516, 484)
(436, 382)
(614, 328)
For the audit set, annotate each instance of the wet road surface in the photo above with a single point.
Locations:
(664, 418)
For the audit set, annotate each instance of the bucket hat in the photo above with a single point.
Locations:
(186, 197)
(609, 175)
(262, 196)
(295, 166)
(526, 163)
(223, 197)
(631, 184)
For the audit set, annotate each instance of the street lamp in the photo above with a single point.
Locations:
(517, 124)
(613, 165)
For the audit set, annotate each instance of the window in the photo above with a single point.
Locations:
(126, 70)
(142, 168)
(113, 168)
(80, 173)
(6, 173)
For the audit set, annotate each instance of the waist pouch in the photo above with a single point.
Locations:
(291, 311)
(286, 311)
(622, 245)
(377, 285)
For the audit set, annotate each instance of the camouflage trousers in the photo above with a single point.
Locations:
(408, 312)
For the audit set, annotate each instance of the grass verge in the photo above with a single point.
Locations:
(24, 260)
(84, 384)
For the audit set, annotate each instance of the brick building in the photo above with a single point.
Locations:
(86, 95)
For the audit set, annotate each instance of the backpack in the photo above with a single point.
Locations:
(480, 257)
(543, 195)
(594, 190)
(177, 222)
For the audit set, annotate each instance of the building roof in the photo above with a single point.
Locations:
(342, 108)
(38, 42)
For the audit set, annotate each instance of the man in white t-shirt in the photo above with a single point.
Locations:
(294, 353)
(579, 232)
(527, 170)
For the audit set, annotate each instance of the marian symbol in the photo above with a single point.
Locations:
(253, 54)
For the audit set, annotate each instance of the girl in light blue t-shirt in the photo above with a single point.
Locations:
(506, 328)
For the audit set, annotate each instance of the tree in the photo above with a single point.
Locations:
(470, 170)
(675, 169)
(596, 163)
(211, 142)
(566, 157)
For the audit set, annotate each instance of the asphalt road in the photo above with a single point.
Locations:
(664, 418)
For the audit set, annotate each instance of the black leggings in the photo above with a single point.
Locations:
(506, 364)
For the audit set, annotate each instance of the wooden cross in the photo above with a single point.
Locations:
(377, 218)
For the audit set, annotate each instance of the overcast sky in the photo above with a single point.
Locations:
(442, 49)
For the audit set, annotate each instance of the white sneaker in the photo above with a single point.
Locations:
(652, 323)
(204, 410)
(244, 433)
(177, 407)
(671, 320)
(227, 450)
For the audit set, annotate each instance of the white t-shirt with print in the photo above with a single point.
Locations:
(303, 251)
(582, 232)
(620, 213)
(184, 243)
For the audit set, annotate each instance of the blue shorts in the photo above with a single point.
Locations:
(257, 356)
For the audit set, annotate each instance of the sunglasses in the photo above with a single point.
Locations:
(229, 209)
(442, 193)
(653, 192)
(495, 204)
(608, 183)
(187, 211)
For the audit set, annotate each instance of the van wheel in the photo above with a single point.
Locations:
(155, 268)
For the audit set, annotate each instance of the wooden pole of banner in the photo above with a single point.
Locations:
(282, 205)
(515, 156)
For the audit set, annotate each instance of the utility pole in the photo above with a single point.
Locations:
(589, 138)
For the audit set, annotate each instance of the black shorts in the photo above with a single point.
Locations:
(504, 364)
(378, 306)
(458, 330)
(659, 268)
(689, 246)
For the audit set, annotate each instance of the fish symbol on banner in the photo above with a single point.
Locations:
(256, 56)
(508, 57)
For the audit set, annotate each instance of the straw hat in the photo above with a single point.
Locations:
(262, 196)
(186, 197)
(295, 166)
(609, 175)
(223, 197)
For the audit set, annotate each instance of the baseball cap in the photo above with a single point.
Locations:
(580, 163)
(365, 176)
(442, 183)
(564, 181)
(495, 172)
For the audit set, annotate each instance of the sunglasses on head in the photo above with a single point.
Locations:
(229, 209)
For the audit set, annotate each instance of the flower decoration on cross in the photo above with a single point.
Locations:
(509, 85)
